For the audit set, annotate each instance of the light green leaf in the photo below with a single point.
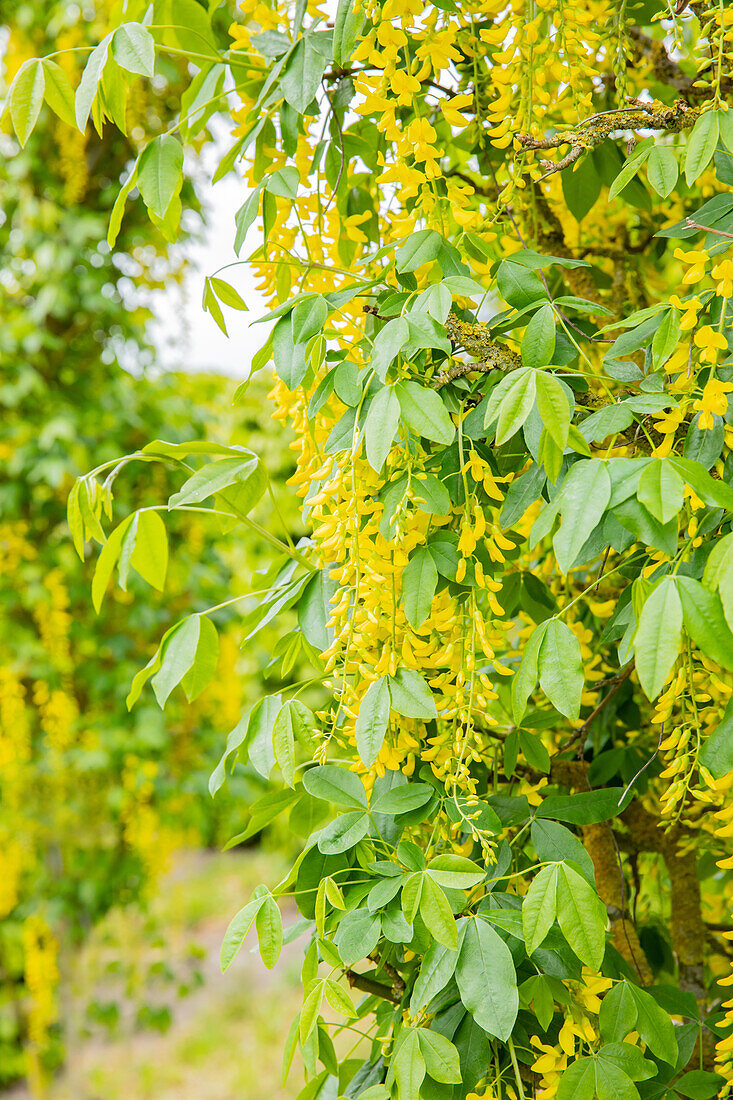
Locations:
(419, 581)
(525, 678)
(419, 248)
(87, 88)
(372, 721)
(238, 928)
(213, 477)
(581, 915)
(178, 654)
(58, 92)
(657, 642)
(380, 426)
(309, 317)
(701, 144)
(631, 167)
(150, 554)
(283, 742)
(584, 496)
(107, 560)
(705, 622)
(388, 343)
(302, 74)
(26, 98)
(269, 926)
(553, 407)
(538, 342)
(436, 912)
(660, 489)
(441, 1057)
(205, 662)
(133, 47)
(561, 668)
(411, 696)
(516, 405)
(662, 170)
(539, 907)
(337, 785)
(487, 980)
(160, 173)
(436, 970)
(424, 411)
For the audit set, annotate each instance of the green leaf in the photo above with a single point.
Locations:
(387, 344)
(553, 843)
(538, 342)
(717, 751)
(178, 654)
(87, 88)
(150, 554)
(441, 1057)
(539, 907)
(407, 1067)
(133, 47)
(578, 1082)
(701, 144)
(380, 426)
(419, 581)
(516, 405)
(585, 808)
(399, 800)
(708, 488)
(699, 1084)
(302, 74)
(660, 489)
(269, 926)
(58, 92)
(561, 668)
(654, 1025)
(657, 641)
(436, 970)
(283, 740)
(289, 358)
(419, 248)
(160, 173)
(436, 912)
(662, 170)
(455, 872)
(337, 785)
(705, 622)
(618, 1013)
(205, 661)
(411, 696)
(424, 412)
(309, 317)
(238, 928)
(487, 980)
(584, 496)
(343, 833)
(26, 98)
(553, 407)
(347, 24)
(525, 679)
(338, 999)
(107, 560)
(213, 477)
(631, 167)
(581, 915)
(372, 721)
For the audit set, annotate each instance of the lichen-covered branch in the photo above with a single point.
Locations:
(593, 131)
(475, 338)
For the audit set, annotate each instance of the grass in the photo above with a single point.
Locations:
(227, 1034)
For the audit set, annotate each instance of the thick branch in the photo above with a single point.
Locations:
(367, 984)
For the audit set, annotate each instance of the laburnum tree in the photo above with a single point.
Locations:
(495, 238)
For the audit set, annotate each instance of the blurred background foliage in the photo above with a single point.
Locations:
(93, 800)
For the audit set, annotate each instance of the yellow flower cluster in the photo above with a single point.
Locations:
(40, 951)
